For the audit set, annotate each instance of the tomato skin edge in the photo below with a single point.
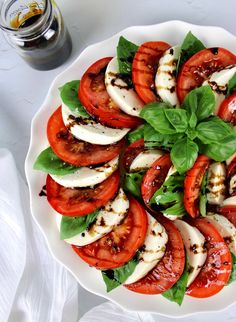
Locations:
(192, 184)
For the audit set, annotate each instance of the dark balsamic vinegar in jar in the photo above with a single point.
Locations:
(39, 35)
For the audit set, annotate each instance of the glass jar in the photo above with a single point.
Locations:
(37, 31)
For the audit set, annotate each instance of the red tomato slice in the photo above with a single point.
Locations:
(200, 66)
(76, 152)
(144, 69)
(131, 152)
(217, 269)
(227, 110)
(81, 201)
(93, 95)
(154, 178)
(231, 169)
(169, 269)
(229, 212)
(118, 247)
(192, 185)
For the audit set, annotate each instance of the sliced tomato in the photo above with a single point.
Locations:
(118, 247)
(227, 110)
(200, 66)
(216, 271)
(81, 201)
(192, 185)
(131, 152)
(231, 169)
(144, 69)
(76, 152)
(229, 212)
(169, 269)
(93, 95)
(154, 178)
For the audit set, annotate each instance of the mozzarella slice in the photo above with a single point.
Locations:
(85, 176)
(216, 183)
(165, 80)
(194, 246)
(108, 218)
(225, 228)
(89, 130)
(218, 82)
(231, 201)
(153, 250)
(145, 159)
(232, 184)
(120, 92)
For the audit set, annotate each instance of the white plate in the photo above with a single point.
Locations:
(172, 32)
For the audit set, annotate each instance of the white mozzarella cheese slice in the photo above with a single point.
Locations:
(232, 184)
(195, 250)
(231, 201)
(120, 92)
(86, 176)
(89, 130)
(225, 228)
(145, 159)
(165, 80)
(108, 218)
(216, 183)
(218, 82)
(153, 250)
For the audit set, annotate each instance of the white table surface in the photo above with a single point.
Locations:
(23, 89)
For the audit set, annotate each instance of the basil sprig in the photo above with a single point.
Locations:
(177, 291)
(132, 182)
(49, 162)
(117, 276)
(233, 272)
(169, 197)
(72, 226)
(190, 129)
(190, 46)
(125, 54)
(69, 96)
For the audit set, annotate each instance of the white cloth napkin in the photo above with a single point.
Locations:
(33, 286)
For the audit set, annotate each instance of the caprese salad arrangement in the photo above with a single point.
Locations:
(142, 168)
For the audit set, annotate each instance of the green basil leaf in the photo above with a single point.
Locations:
(154, 114)
(72, 226)
(231, 87)
(220, 151)
(49, 162)
(136, 134)
(183, 154)
(69, 96)
(214, 130)
(200, 102)
(115, 277)
(190, 46)
(125, 54)
(177, 118)
(132, 183)
(177, 291)
(203, 197)
(153, 139)
(233, 272)
(177, 209)
(163, 198)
